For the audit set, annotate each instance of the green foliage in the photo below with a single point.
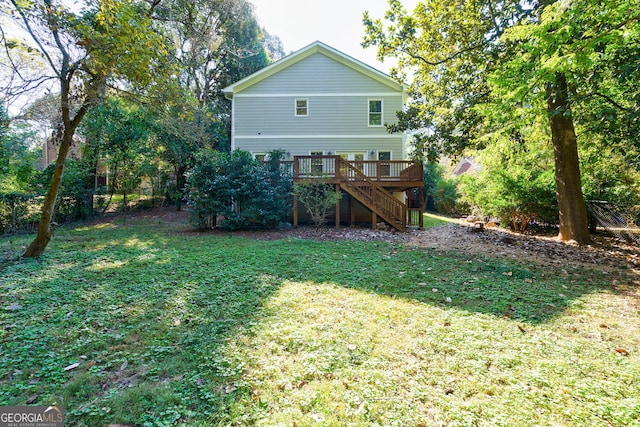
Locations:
(174, 328)
(515, 196)
(73, 197)
(18, 212)
(121, 39)
(272, 195)
(611, 174)
(17, 159)
(484, 73)
(216, 44)
(516, 184)
(441, 192)
(447, 196)
(119, 139)
(239, 188)
(449, 47)
(431, 173)
(317, 197)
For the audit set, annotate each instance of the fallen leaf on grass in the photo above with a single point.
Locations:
(32, 399)
(70, 367)
(622, 351)
(523, 330)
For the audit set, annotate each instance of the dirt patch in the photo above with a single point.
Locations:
(605, 253)
(323, 234)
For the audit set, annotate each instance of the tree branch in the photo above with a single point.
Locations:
(152, 7)
(32, 33)
(612, 101)
(444, 60)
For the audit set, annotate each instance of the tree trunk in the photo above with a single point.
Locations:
(90, 182)
(181, 182)
(124, 206)
(46, 227)
(574, 224)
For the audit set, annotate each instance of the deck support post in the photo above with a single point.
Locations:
(352, 212)
(421, 211)
(295, 210)
(374, 220)
(338, 206)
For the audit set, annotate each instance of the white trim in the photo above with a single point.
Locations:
(317, 94)
(233, 126)
(385, 136)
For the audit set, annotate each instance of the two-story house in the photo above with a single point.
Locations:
(328, 112)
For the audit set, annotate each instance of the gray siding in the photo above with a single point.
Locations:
(303, 147)
(264, 113)
(317, 73)
(344, 115)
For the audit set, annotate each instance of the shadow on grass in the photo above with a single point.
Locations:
(128, 328)
(146, 315)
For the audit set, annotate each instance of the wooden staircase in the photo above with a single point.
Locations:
(372, 195)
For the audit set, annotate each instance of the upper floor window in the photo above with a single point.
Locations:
(302, 107)
(375, 112)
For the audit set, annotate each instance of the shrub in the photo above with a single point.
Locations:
(234, 185)
(516, 196)
(447, 197)
(73, 197)
(317, 198)
(18, 212)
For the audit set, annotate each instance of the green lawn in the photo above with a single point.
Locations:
(147, 325)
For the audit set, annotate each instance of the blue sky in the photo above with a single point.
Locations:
(337, 23)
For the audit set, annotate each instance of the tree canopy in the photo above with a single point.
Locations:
(485, 71)
(172, 57)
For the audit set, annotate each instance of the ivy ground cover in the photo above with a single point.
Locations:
(148, 324)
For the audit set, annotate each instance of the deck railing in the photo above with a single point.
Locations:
(377, 198)
(308, 167)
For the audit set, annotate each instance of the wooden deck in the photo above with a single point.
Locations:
(398, 175)
(371, 182)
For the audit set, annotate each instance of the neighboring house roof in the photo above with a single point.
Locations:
(305, 52)
(466, 165)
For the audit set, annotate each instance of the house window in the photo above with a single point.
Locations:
(384, 158)
(375, 112)
(302, 108)
(261, 157)
(355, 158)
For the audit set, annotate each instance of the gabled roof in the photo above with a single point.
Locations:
(305, 52)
